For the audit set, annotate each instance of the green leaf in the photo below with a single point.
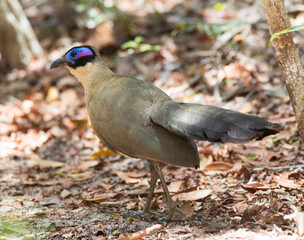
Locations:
(15, 228)
(80, 7)
(137, 45)
(138, 39)
(251, 156)
(129, 44)
(288, 30)
(51, 228)
(279, 138)
(220, 6)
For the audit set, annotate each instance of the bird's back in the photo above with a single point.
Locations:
(120, 114)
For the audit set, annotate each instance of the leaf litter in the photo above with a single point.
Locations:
(64, 184)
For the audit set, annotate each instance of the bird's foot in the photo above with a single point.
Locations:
(174, 213)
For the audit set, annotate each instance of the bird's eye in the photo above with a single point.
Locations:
(74, 54)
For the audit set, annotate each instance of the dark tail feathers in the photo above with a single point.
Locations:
(210, 123)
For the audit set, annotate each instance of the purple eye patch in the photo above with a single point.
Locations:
(83, 51)
(78, 52)
(80, 56)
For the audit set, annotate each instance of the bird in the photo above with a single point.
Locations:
(138, 119)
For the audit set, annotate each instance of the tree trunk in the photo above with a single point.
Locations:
(288, 58)
(18, 43)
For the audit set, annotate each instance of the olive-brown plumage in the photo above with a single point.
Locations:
(140, 120)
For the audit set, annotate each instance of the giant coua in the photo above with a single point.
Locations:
(140, 120)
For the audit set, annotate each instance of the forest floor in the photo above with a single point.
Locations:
(57, 181)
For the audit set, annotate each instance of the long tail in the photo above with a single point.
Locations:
(210, 123)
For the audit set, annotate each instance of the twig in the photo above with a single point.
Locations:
(276, 168)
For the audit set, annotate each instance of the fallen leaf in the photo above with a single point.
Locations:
(205, 161)
(57, 132)
(142, 233)
(81, 176)
(137, 174)
(253, 187)
(52, 94)
(244, 171)
(187, 209)
(193, 195)
(106, 186)
(246, 108)
(240, 207)
(7, 128)
(53, 200)
(174, 187)
(218, 166)
(100, 197)
(65, 193)
(45, 183)
(283, 181)
(298, 217)
(80, 122)
(266, 216)
(88, 164)
(251, 212)
(37, 161)
(124, 176)
(104, 152)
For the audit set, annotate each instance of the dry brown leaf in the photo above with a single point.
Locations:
(7, 128)
(174, 187)
(37, 161)
(104, 152)
(81, 177)
(88, 164)
(218, 166)
(298, 217)
(45, 183)
(53, 200)
(52, 94)
(65, 193)
(204, 160)
(240, 207)
(106, 186)
(34, 138)
(100, 197)
(256, 153)
(137, 174)
(267, 216)
(246, 108)
(283, 181)
(80, 122)
(57, 132)
(124, 176)
(11, 112)
(253, 187)
(142, 233)
(193, 195)
(244, 171)
(251, 212)
(187, 209)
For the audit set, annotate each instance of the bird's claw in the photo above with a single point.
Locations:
(174, 213)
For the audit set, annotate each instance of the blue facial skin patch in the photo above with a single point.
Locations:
(77, 53)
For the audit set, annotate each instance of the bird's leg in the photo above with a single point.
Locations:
(171, 205)
(154, 177)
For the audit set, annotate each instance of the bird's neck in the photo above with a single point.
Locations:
(92, 76)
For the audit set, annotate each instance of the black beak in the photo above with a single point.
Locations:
(59, 62)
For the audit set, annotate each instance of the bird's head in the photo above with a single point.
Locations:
(76, 57)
